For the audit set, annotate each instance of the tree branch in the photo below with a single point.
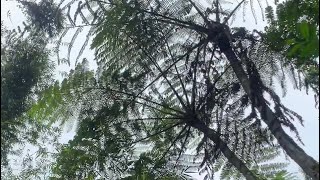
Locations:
(173, 142)
(183, 87)
(226, 20)
(157, 133)
(200, 13)
(176, 61)
(183, 145)
(145, 99)
(193, 98)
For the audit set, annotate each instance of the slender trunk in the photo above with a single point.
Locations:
(230, 155)
(306, 162)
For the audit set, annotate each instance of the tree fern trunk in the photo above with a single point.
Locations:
(306, 162)
(230, 155)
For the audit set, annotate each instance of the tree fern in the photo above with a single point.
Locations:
(208, 89)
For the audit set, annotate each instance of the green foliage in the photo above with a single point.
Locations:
(261, 164)
(141, 170)
(34, 164)
(44, 16)
(60, 100)
(284, 175)
(25, 70)
(295, 33)
(24, 65)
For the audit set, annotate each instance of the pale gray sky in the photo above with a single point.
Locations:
(296, 100)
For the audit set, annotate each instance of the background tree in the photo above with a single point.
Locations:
(25, 69)
(294, 32)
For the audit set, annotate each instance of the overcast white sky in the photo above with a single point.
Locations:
(296, 100)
